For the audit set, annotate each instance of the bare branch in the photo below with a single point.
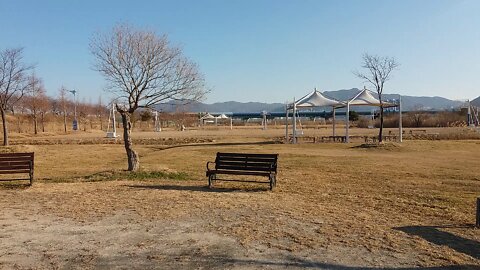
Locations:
(145, 68)
(378, 71)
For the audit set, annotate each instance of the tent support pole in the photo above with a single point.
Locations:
(347, 123)
(333, 109)
(113, 120)
(294, 126)
(400, 126)
(469, 114)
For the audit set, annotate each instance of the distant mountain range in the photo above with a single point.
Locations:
(408, 102)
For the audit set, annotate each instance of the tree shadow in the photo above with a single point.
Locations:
(197, 188)
(23, 185)
(226, 262)
(214, 144)
(438, 237)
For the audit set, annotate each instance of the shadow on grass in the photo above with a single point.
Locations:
(226, 262)
(14, 185)
(434, 235)
(197, 188)
(214, 144)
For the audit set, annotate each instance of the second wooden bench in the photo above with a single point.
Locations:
(244, 164)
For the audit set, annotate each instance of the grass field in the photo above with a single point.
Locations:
(336, 206)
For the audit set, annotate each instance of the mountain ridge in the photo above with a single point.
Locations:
(408, 102)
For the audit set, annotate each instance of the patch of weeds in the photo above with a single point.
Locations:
(382, 146)
(120, 175)
(143, 175)
(139, 175)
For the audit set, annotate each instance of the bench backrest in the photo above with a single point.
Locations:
(15, 162)
(246, 162)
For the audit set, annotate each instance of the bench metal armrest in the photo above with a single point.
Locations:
(208, 169)
(273, 165)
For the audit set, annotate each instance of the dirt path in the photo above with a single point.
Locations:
(172, 225)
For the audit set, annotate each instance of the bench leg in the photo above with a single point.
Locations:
(273, 181)
(211, 180)
(31, 177)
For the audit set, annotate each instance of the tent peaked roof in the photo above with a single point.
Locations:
(207, 116)
(222, 116)
(365, 98)
(317, 99)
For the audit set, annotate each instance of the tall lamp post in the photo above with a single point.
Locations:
(75, 122)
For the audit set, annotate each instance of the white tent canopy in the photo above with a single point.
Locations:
(207, 116)
(222, 116)
(317, 99)
(365, 98)
(313, 99)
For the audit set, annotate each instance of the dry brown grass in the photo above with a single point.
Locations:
(409, 204)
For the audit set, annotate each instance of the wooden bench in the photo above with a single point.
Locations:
(244, 164)
(17, 163)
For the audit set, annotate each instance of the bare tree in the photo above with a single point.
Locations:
(417, 115)
(379, 70)
(143, 70)
(62, 98)
(43, 106)
(35, 100)
(13, 82)
(100, 111)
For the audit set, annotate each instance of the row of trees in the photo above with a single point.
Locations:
(23, 92)
(39, 107)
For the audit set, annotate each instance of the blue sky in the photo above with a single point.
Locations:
(259, 50)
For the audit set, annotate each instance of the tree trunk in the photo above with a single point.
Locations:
(5, 129)
(35, 125)
(380, 133)
(65, 121)
(132, 156)
(43, 121)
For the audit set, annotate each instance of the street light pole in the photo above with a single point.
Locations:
(75, 122)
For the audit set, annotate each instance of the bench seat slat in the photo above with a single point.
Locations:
(16, 162)
(244, 168)
(247, 155)
(14, 179)
(6, 159)
(247, 164)
(16, 155)
(14, 167)
(238, 172)
(14, 171)
(247, 159)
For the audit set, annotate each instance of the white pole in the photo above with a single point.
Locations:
(286, 123)
(294, 133)
(264, 121)
(400, 126)
(333, 121)
(469, 114)
(347, 123)
(113, 119)
(231, 123)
